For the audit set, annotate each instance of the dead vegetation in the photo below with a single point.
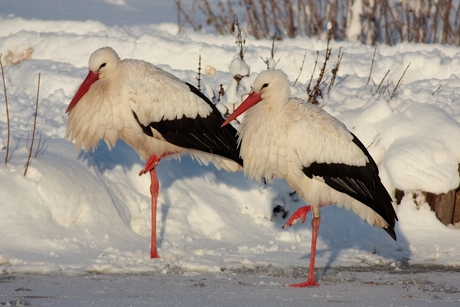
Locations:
(26, 166)
(34, 129)
(16, 56)
(327, 77)
(321, 82)
(7, 112)
(370, 22)
(198, 78)
(385, 88)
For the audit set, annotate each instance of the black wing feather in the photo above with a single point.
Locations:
(360, 182)
(200, 133)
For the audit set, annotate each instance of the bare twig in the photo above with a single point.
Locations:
(179, 9)
(439, 87)
(272, 54)
(301, 68)
(335, 70)
(381, 82)
(343, 79)
(313, 72)
(382, 21)
(399, 82)
(266, 61)
(7, 112)
(239, 38)
(199, 73)
(317, 91)
(34, 129)
(372, 65)
(187, 17)
(38, 146)
(273, 47)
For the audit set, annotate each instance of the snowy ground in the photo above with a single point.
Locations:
(79, 223)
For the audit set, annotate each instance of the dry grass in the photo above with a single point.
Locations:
(8, 123)
(15, 57)
(380, 21)
(317, 90)
(26, 166)
(7, 112)
(198, 78)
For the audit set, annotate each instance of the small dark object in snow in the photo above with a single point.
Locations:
(18, 302)
(280, 209)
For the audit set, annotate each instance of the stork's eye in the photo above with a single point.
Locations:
(265, 85)
(102, 65)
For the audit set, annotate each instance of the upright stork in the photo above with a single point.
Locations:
(154, 112)
(286, 137)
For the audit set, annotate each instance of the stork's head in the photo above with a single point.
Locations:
(270, 86)
(102, 62)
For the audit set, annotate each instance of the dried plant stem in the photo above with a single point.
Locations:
(335, 70)
(273, 47)
(439, 87)
(399, 82)
(7, 113)
(239, 38)
(179, 10)
(38, 146)
(343, 79)
(272, 54)
(199, 73)
(301, 68)
(187, 17)
(317, 89)
(35, 126)
(381, 21)
(372, 65)
(313, 72)
(381, 82)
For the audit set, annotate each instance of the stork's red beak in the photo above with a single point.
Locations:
(252, 99)
(84, 87)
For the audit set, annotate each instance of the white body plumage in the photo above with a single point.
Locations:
(105, 110)
(283, 137)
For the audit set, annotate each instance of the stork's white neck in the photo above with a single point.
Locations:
(260, 137)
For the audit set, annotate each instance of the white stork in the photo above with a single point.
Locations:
(152, 111)
(285, 137)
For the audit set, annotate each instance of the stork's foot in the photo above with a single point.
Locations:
(154, 253)
(301, 213)
(308, 283)
(150, 165)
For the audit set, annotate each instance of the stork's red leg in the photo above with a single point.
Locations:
(152, 162)
(311, 275)
(154, 188)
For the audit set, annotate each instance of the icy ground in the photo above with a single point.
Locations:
(415, 287)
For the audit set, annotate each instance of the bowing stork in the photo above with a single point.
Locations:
(152, 111)
(285, 137)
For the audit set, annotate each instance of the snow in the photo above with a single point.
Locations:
(75, 214)
(354, 29)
